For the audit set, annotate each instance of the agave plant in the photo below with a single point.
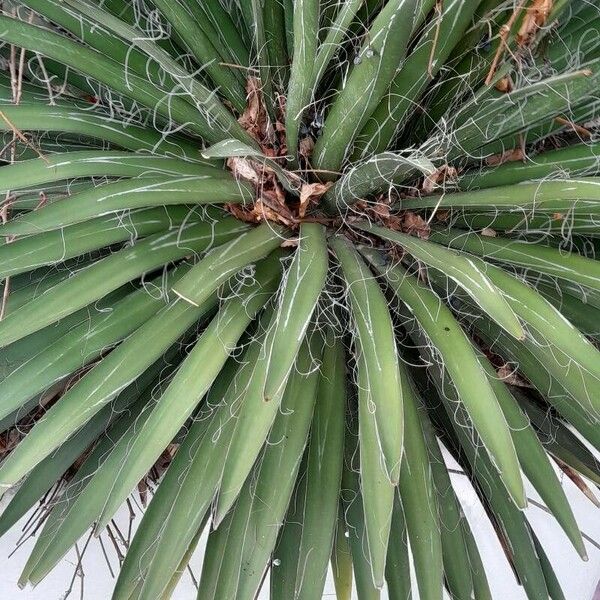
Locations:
(279, 261)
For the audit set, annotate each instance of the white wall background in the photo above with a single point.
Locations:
(578, 579)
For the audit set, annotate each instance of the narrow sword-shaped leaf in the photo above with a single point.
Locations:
(46, 473)
(96, 126)
(211, 120)
(194, 37)
(306, 38)
(457, 566)
(558, 438)
(554, 589)
(381, 387)
(100, 385)
(304, 281)
(481, 586)
(511, 521)
(420, 506)
(341, 560)
(332, 43)
(128, 194)
(234, 148)
(79, 505)
(312, 517)
(59, 245)
(397, 565)
(254, 420)
(534, 460)
(554, 195)
(570, 266)
(433, 47)
(81, 345)
(226, 260)
(461, 270)
(108, 274)
(535, 370)
(183, 498)
(129, 462)
(564, 352)
(354, 511)
(181, 17)
(374, 67)
(376, 174)
(576, 159)
(461, 362)
(97, 163)
(257, 516)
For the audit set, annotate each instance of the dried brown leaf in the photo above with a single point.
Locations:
(535, 17)
(507, 156)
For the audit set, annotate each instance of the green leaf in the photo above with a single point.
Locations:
(458, 355)
(129, 462)
(376, 174)
(558, 439)
(536, 371)
(81, 345)
(300, 291)
(94, 163)
(184, 19)
(183, 498)
(574, 160)
(341, 561)
(556, 195)
(62, 244)
(128, 194)
(565, 353)
(306, 539)
(252, 526)
(543, 259)
(306, 38)
(254, 417)
(534, 460)
(441, 34)
(419, 502)
(110, 273)
(223, 262)
(380, 387)
(512, 525)
(210, 120)
(79, 505)
(100, 385)
(365, 85)
(234, 148)
(52, 468)
(486, 119)
(355, 514)
(457, 564)
(72, 119)
(397, 565)
(459, 269)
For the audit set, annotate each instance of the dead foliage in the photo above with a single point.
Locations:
(536, 16)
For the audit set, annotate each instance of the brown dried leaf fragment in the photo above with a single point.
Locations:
(513, 155)
(311, 193)
(577, 480)
(508, 374)
(415, 225)
(488, 232)
(504, 85)
(536, 16)
(441, 176)
(306, 147)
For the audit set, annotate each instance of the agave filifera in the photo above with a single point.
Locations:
(305, 248)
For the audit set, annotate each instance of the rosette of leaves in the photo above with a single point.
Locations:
(288, 257)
